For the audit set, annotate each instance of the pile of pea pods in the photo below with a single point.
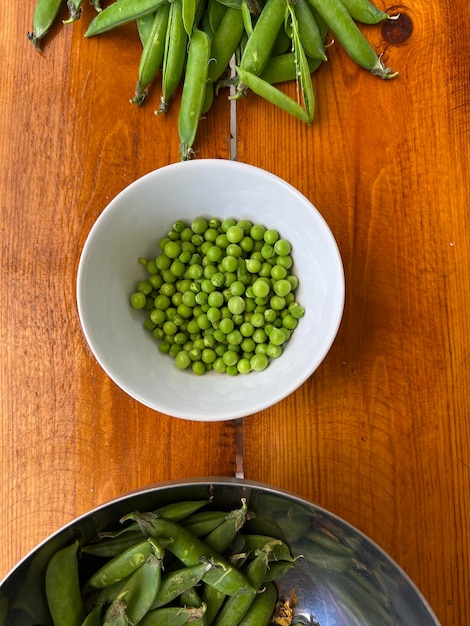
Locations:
(184, 563)
(247, 45)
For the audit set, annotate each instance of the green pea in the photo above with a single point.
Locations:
(198, 368)
(259, 362)
(236, 305)
(282, 287)
(138, 300)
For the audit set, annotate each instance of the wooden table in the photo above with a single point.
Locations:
(380, 433)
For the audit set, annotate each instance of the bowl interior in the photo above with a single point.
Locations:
(342, 578)
(131, 226)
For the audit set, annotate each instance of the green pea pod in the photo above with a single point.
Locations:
(260, 43)
(144, 27)
(189, 15)
(173, 616)
(194, 91)
(44, 15)
(222, 536)
(174, 56)
(345, 30)
(270, 93)
(94, 616)
(172, 585)
(261, 610)
(236, 607)
(191, 550)
(204, 522)
(208, 100)
(191, 598)
(178, 511)
(4, 607)
(107, 595)
(215, 13)
(226, 40)
(137, 595)
(121, 565)
(119, 13)
(282, 44)
(112, 546)
(277, 569)
(246, 18)
(309, 31)
(305, 81)
(152, 53)
(214, 599)
(365, 12)
(63, 587)
(283, 68)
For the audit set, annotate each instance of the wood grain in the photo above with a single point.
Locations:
(380, 433)
(70, 140)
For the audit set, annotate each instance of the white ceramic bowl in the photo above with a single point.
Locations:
(130, 227)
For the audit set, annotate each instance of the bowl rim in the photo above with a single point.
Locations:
(220, 482)
(194, 414)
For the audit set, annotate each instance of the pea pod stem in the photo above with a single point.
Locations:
(75, 10)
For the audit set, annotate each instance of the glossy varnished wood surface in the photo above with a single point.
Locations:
(380, 433)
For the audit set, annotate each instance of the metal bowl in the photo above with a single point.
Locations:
(342, 579)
